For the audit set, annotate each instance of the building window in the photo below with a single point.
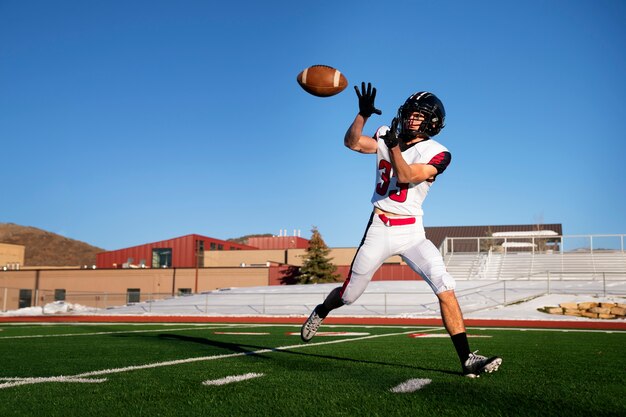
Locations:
(59, 295)
(133, 295)
(184, 291)
(212, 246)
(220, 246)
(161, 257)
(26, 298)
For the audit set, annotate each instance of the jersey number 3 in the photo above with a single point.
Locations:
(399, 194)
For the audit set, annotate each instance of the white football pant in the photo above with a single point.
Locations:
(409, 241)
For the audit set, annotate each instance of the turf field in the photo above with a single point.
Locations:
(258, 370)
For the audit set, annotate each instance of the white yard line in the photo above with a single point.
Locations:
(231, 379)
(13, 382)
(411, 385)
(30, 381)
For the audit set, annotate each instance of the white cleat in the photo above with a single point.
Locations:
(310, 326)
(477, 364)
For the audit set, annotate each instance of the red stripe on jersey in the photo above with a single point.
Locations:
(440, 161)
(437, 159)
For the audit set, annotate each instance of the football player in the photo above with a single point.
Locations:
(408, 161)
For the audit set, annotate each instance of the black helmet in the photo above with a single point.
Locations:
(430, 107)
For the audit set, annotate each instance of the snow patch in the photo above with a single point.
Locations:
(56, 307)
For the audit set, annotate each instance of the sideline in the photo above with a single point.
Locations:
(360, 321)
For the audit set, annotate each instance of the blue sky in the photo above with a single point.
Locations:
(125, 122)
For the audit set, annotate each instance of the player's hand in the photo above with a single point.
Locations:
(391, 137)
(366, 100)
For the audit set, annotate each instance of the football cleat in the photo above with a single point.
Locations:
(310, 326)
(477, 364)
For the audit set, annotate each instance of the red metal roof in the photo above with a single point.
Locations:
(183, 251)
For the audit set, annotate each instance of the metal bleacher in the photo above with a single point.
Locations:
(496, 263)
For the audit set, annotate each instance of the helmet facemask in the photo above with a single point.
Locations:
(429, 107)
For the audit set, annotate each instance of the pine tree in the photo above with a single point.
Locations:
(317, 267)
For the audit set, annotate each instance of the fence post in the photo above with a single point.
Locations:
(504, 290)
(604, 284)
(548, 282)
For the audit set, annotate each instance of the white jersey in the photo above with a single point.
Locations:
(405, 198)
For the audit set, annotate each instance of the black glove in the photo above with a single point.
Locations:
(391, 137)
(366, 100)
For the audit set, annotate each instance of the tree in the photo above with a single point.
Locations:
(317, 267)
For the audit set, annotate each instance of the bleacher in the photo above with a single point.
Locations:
(525, 264)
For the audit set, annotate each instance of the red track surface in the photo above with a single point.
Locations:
(551, 324)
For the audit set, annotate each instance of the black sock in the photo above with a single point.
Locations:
(462, 346)
(332, 301)
(322, 311)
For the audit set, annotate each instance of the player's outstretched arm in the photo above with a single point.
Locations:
(354, 138)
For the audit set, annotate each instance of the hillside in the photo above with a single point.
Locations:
(46, 248)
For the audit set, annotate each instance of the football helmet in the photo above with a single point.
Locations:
(429, 106)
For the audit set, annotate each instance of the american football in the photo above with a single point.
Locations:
(322, 80)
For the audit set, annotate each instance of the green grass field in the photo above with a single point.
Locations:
(166, 370)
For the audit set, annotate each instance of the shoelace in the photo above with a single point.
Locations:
(314, 323)
(474, 358)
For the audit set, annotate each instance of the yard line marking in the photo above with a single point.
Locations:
(331, 334)
(411, 385)
(243, 333)
(26, 381)
(231, 379)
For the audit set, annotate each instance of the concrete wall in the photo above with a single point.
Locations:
(338, 256)
(109, 287)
